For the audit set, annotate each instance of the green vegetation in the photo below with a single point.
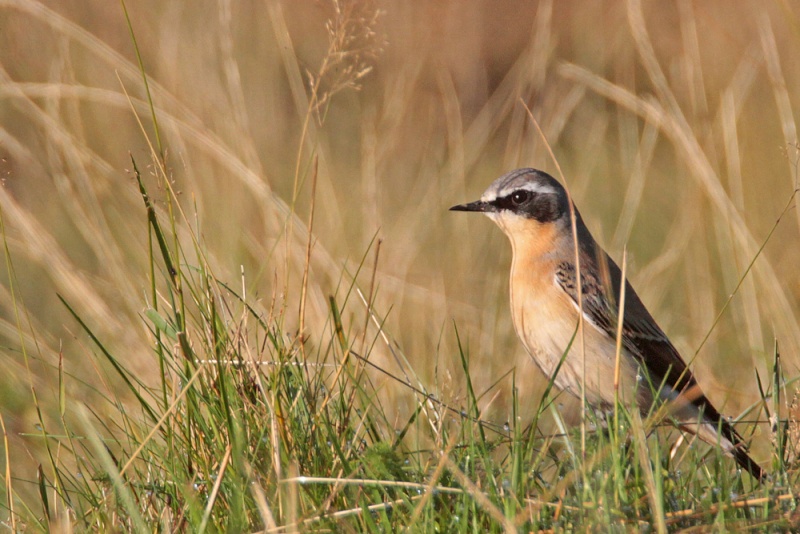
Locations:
(271, 324)
(250, 428)
(253, 429)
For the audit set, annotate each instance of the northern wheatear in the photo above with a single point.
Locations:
(532, 208)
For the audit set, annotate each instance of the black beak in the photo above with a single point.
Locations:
(478, 205)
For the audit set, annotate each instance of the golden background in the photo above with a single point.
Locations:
(674, 124)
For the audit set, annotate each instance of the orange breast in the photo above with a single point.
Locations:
(545, 319)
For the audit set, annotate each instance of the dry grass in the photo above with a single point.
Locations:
(674, 124)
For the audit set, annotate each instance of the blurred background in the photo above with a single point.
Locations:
(674, 124)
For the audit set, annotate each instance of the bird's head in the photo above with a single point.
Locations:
(523, 202)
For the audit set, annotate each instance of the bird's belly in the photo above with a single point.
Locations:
(547, 325)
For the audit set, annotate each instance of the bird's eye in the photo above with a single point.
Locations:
(520, 197)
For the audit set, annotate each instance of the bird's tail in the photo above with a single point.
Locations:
(738, 449)
(697, 415)
(724, 435)
(743, 459)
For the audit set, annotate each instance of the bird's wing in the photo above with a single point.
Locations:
(641, 335)
(601, 281)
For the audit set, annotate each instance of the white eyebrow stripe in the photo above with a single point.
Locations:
(533, 187)
(531, 180)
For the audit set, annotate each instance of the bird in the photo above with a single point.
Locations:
(533, 209)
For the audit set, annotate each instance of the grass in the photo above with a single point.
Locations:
(251, 428)
(233, 299)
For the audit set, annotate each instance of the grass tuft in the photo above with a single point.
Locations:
(251, 428)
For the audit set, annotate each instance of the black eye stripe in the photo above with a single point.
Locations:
(515, 200)
(543, 207)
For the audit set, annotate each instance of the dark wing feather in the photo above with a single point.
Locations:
(641, 335)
